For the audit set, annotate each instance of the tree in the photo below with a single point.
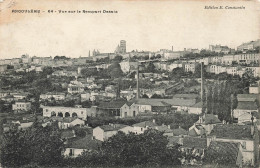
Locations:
(115, 70)
(177, 73)
(118, 58)
(150, 68)
(35, 145)
(148, 149)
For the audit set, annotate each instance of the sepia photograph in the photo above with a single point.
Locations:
(129, 83)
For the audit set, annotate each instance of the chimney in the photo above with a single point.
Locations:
(179, 126)
(252, 130)
(162, 124)
(169, 126)
(202, 81)
(137, 93)
(153, 120)
(172, 48)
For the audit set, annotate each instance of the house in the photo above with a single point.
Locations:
(139, 128)
(103, 132)
(75, 146)
(179, 132)
(153, 105)
(197, 130)
(50, 95)
(70, 122)
(208, 121)
(21, 106)
(246, 135)
(167, 131)
(195, 109)
(244, 111)
(129, 109)
(254, 89)
(112, 108)
(75, 87)
(229, 150)
(194, 146)
(85, 96)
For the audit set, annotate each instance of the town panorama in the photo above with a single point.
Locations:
(189, 108)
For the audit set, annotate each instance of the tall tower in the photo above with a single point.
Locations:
(123, 46)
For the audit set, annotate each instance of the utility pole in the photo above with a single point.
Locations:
(201, 94)
(137, 93)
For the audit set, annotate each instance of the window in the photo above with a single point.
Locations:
(244, 145)
(71, 152)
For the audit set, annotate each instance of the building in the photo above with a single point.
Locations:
(139, 128)
(75, 146)
(49, 111)
(228, 150)
(121, 49)
(128, 66)
(190, 67)
(254, 89)
(50, 95)
(208, 121)
(75, 87)
(118, 108)
(245, 111)
(3, 68)
(249, 45)
(246, 135)
(21, 106)
(219, 49)
(129, 109)
(104, 132)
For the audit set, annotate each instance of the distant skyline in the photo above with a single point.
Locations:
(144, 25)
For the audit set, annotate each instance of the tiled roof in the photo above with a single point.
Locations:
(145, 123)
(226, 149)
(163, 128)
(198, 105)
(186, 96)
(232, 131)
(112, 127)
(166, 102)
(174, 140)
(84, 143)
(246, 105)
(179, 131)
(209, 119)
(195, 142)
(192, 133)
(247, 97)
(115, 104)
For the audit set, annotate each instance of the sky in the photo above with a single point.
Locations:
(145, 25)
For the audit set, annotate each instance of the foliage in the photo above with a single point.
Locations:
(37, 145)
(115, 70)
(147, 149)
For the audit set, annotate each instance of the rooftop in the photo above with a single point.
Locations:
(195, 142)
(226, 149)
(145, 123)
(232, 131)
(84, 143)
(179, 131)
(112, 127)
(115, 104)
(247, 105)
